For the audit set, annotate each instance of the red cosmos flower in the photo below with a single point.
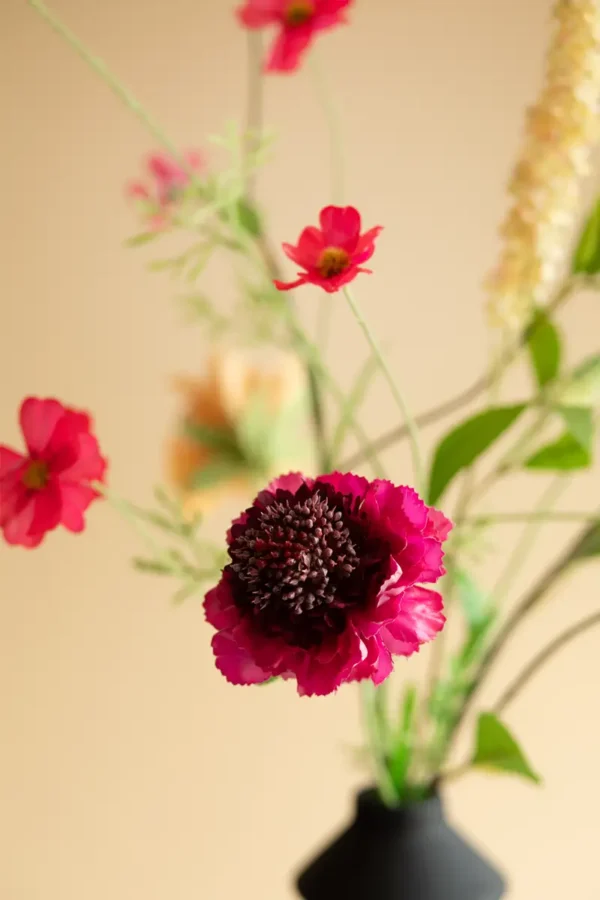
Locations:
(324, 583)
(333, 255)
(167, 178)
(50, 484)
(299, 21)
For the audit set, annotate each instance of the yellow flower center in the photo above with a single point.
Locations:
(333, 261)
(299, 11)
(35, 476)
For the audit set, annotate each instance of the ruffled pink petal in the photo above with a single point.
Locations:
(234, 660)
(219, 607)
(340, 226)
(258, 13)
(323, 672)
(288, 48)
(399, 639)
(290, 482)
(437, 526)
(346, 483)
(418, 622)
(39, 419)
(377, 665)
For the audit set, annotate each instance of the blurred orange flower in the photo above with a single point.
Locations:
(239, 426)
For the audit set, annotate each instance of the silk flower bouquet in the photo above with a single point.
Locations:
(326, 577)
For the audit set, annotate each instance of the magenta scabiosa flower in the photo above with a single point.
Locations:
(325, 582)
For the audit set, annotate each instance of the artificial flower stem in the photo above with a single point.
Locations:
(413, 433)
(385, 784)
(480, 385)
(101, 69)
(336, 179)
(537, 593)
(332, 120)
(541, 658)
(313, 356)
(526, 542)
(544, 515)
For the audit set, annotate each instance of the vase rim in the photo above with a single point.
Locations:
(372, 810)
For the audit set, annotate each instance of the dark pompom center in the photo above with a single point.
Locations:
(299, 565)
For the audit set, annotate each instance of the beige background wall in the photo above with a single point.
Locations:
(128, 768)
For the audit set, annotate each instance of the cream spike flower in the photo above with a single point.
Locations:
(560, 132)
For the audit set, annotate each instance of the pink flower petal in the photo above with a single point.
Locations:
(340, 226)
(10, 461)
(234, 660)
(219, 607)
(288, 48)
(38, 419)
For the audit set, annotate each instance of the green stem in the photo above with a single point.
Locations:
(101, 69)
(336, 141)
(545, 516)
(397, 395)
(483, 383)
(532, 598)
(336, 179)
(525, 544)
(313, 356)
(385, 784)
(541, 658)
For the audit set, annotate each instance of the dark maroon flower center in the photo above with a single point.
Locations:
(36, 474)
(300, 564)
(333, 261)
(298, 12)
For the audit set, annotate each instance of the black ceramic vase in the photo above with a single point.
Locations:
(409, 853)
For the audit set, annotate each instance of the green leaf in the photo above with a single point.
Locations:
(586, 259)
(496, 749)
(248, 218)
(253, 431)
(583, 386)
(222, 440)
(400, 755)
(466, 442)
(580, 424)
(590, 546)
(139, 239)
(213, 473)
(564, 455)
(544, 348)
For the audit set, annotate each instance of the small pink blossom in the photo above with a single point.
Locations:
(325, 583)
(298, 23)
(166, 178)
(332, 255)
(51, 483)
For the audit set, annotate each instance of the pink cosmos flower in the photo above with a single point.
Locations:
(161, 190)
(298, 21)
(325, 582)
(331, 255)
(49, 485)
